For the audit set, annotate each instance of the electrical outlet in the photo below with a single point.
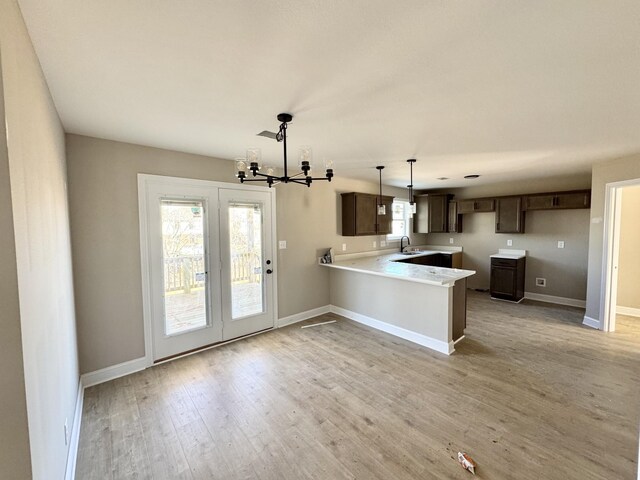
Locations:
(344, 247)
(541, 282)
(66, 431)
(383, 243)
(560, 243)
(282, 244)
(375, 244)
(451, 240)
(509, 243)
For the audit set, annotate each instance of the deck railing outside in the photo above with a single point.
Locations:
(187, 272)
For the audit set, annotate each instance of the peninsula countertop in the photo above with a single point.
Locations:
(388, 265)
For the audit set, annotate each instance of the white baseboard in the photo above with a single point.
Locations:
(299, 317)
(113, 372)
(572, 302)
(632, 312)
(74, 438)
(591, 322)
(432, 343)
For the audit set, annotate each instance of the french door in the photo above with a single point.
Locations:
(208, 253)
(247, 262)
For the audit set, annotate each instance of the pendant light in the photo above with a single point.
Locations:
(412, 203)
(382, 209)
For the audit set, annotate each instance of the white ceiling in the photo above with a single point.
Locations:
(505, 89)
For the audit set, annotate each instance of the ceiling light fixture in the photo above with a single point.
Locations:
(253, 161)
(382, 209)
(412, 204)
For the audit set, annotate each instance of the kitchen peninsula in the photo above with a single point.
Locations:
(420, 303)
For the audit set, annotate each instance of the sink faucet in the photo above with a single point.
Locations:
(402, 246)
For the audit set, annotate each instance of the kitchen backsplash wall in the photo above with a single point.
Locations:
(565, 270)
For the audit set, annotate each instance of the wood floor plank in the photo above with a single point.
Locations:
(530, 393)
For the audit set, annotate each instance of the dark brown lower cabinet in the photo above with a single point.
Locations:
(446, 260)
(459, 312)
(507, 278)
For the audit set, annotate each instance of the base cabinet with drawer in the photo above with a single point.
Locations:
(507, 278)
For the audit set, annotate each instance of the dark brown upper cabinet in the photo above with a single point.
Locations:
(455, 219)
(431, 213)
(360, 215)
(476, 205)
(509, 215)
(559, 200)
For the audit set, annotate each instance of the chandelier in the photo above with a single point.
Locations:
(252, 163)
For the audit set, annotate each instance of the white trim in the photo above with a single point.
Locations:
(591, 322)
(632, 312)
(432, 343)
(115, 371)
(461, 338)
(74, 438)
(299, 317)
(539, 297)
(144, 266)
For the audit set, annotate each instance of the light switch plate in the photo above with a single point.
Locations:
(344, 247)
(282, 244)
(375, 244)
(383, 243)
(560, 243)
(509, 243)
(451, 240)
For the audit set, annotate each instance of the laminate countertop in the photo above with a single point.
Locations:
(389, 266)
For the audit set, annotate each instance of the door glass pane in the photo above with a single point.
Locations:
(245, 241)
(183, 252)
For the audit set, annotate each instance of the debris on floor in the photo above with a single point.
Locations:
(316, 324)
(467, 462)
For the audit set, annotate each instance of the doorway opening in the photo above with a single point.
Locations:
(621, 262)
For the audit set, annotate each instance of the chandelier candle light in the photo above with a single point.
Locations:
(253, 161)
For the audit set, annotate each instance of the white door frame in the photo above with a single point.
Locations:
(144, 181)
(611, 247)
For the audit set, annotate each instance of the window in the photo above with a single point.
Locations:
(401, 211)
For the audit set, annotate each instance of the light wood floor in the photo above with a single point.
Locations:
(529, 394)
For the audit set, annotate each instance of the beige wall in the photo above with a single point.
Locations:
(309, 219)
(106, 244)
(564, 269)
(629, 259)
(626, 168)
(37, 173)
(15, 459)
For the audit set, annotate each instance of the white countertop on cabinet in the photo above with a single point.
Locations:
(509, 254)
(388, 266)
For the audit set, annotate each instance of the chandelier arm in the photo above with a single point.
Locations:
(319, 178)
(299, 182)
(258, 174)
